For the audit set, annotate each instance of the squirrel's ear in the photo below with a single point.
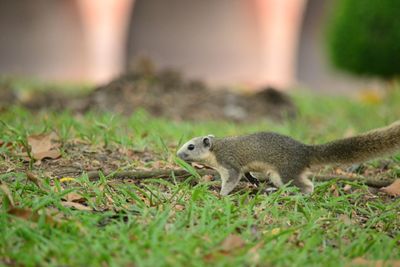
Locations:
(207, 141)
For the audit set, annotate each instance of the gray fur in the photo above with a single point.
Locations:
(284, 158)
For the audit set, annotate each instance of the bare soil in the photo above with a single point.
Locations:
(167, 94)
(164, 93)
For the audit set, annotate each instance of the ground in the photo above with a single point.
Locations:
(52, 214)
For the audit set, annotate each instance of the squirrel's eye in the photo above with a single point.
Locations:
(191, 147)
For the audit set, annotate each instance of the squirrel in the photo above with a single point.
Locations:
(283, 157)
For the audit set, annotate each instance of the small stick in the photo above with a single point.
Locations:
(182, 174)
(370, 181)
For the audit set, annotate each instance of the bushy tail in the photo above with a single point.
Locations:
(372, 144)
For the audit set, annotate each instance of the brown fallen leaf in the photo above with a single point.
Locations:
(30, 215)
(7, 193)
(179, 207)
(5, 144)
(254, 254)
(210, 257)
(339, 171)
(24, 213)
(334, 190)
(32, 178)
(197, 165)
(110, 201)
(232, 242)
(75, 205)
(206, 178)
(44, 146)
(74, 197)
(393, 189)
(347, 188)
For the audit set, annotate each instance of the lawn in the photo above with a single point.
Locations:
(53, 215)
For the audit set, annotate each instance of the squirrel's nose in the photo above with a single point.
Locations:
(182, 155)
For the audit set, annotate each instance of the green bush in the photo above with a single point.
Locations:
(364, 37)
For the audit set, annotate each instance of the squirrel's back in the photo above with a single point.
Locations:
(283, 150)
(268, 147)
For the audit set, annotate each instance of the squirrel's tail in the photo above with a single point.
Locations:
(372, 144)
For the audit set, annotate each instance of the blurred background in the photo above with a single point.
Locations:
(247, 43)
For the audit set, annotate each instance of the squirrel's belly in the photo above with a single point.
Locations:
(258, 166)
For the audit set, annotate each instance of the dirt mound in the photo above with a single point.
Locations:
(167, 94)
(164, 93)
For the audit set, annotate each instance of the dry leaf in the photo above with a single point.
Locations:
(30, 215)
(75, 205)
(206, 178)
(110, 201)
(253, 253)
(393, 189)
(179, 207)
(197, 165)
(347, 188)
(32, 178)
(232, 242)
(7, 192)
(210, 257)
(334, 190)
(5, 144)
(339, 171)
(74, 197)
(24, 213)
(44, 146)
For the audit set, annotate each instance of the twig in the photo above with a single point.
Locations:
(183, 174)
(179, 173)
(370, 181)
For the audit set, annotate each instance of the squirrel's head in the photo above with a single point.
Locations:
(197, 149)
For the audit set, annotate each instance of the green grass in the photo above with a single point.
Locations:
(168, 223)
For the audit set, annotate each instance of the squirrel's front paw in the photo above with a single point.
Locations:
(226, 189)
(223, 193)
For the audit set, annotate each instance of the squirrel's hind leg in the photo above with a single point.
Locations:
(299, 180)
(275, 178)
(305, 185)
